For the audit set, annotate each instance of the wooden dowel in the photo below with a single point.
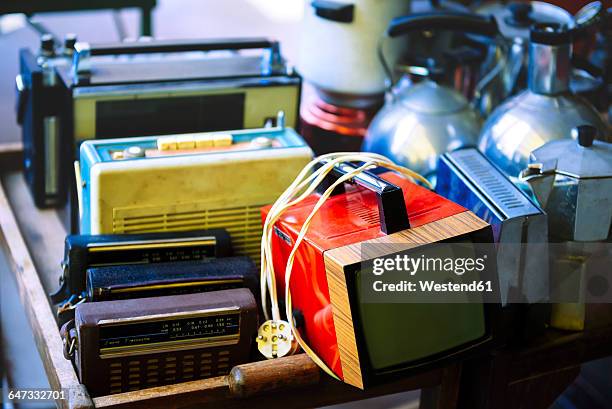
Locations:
(259, 377)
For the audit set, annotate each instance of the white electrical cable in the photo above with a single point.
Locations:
(303, 186)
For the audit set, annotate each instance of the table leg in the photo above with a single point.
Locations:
(445, 395)
(486, 384)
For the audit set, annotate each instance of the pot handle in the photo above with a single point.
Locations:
(444, 20)
(391, 204)
(439, 20)
(333, 10)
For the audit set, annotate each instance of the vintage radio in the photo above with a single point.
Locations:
(79, 91)
(189, 181)
(186, 277)
(86, 251)
(520, 227)
(361, 340)
(127, 345)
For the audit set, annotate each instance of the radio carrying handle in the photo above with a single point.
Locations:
(273, 60)
(392, 211)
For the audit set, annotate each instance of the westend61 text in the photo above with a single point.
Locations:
(432, 286)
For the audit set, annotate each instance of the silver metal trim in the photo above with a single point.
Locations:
(155, 241)
(494, 186)
(175, 88)
(170, 346)
(549, 68)
(51, 147)
(174, 315)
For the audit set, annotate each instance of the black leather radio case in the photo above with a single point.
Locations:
(153, 280)
(84, 251)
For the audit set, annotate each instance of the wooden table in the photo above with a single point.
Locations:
(530, 376)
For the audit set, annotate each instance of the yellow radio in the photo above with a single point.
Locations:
(187, 182)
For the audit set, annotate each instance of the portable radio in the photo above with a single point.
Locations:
(85, 251)
(360, 341)
(127, 345)
(80, 91)
(520, 227)
(191, 181)
(185, 277)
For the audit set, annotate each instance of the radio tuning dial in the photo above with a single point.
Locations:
(47, 45)
(261, 142)
(189, 141)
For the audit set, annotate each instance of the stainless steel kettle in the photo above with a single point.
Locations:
(421, 121)
(572, 180)
(546, 111)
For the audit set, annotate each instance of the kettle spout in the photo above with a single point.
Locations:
(541, 178)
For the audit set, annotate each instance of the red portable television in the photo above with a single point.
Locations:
(365, 343)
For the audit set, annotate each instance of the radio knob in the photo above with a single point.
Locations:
(47, 45)
(69, 42)
(261, 142)
(134, 152)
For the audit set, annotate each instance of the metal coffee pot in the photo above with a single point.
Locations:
(423, 120)
(514, 20)
(507, 63)
(546, 111)
(572, 180)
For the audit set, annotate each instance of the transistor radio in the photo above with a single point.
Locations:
(190, 181)
(364, 343)
(80, 91)
(127, 345)
(520, 227)
(82, 252)
(185, 277)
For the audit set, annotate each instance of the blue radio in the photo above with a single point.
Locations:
(520, 227)
(188, 181)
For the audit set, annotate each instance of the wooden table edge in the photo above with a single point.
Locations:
(59, 371)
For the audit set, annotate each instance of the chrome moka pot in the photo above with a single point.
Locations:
(572, 180)
(546, 111)
(420, 121)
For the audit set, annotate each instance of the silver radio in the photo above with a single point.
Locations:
(82, 91)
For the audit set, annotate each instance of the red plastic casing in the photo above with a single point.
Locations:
(347, 218)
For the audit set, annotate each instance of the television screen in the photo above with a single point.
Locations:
(406, 330)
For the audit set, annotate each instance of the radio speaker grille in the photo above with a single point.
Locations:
(136, 374)
(242, 223)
